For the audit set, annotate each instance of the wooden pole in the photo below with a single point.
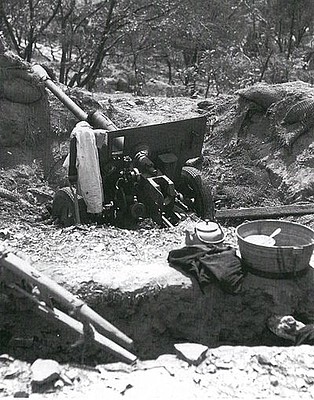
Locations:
(265, 212)
(22, 270)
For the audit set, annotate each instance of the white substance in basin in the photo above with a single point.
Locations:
(261, 240)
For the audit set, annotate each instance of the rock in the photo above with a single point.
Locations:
(139, 102)
(5, 234)
(205, 368)
(193, 353)
(2, 387)
(274, 381)
(117, 366)
(211, 368)
(13, 371)
(6, 357)
(263, 359)
(171, 363)
(205, 104)
(122, 85)
(59, 384)
(71, 374)
(167, 358)
(221, 364)
(21, 394)
(300, 383)
(45, 371)
(65, 378)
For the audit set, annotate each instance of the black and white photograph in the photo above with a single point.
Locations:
(157, 199)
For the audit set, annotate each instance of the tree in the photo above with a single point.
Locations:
(221, 44)
(26, 21)
(66, 12)
(108, 25)
(101, 49)
(205, 29)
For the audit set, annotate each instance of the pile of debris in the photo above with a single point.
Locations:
(194, 371)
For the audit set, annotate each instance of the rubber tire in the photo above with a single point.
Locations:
(63, 207)
(195, 193)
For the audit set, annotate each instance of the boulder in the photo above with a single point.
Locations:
(193, 353)
(45, 371)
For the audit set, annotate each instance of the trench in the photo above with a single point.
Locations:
(157, 319)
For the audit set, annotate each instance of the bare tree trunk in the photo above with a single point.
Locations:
(169, 65)
(28, 52)
(33, 36)
(30, 37)
(89, 80)
(65, 41)
(291, 33)
(63, 63)
(265, 66)
(207, 86)
(6, 23)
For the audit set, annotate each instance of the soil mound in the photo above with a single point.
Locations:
(265, 146)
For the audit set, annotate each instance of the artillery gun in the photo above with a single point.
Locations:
(144, 170)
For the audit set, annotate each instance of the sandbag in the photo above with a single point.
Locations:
(302, 111)
(18, 83)
(20, 91)
(262, 94)
(287, 120)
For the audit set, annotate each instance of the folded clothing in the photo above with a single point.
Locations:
(209, 264)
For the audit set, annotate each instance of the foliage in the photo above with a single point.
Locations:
(200, 44)
(26, 22)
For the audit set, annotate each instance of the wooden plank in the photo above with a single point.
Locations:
(266, 212)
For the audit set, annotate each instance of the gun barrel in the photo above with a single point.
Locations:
(65, 99)
(42, 76)
(49, 288)
(96, 119)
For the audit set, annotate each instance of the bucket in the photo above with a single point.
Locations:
(290, 256)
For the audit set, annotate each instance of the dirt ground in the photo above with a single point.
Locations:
(84, 259)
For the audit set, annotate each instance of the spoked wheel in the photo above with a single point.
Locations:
(196, 195)
(63, 209)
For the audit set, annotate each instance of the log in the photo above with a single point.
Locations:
(60, 318)
(25, 272)
(265, 212)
